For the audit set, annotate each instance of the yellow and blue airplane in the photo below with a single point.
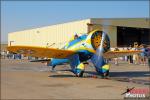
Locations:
(94, 46)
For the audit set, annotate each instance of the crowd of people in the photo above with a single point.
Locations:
(142, 58)
(8, 55)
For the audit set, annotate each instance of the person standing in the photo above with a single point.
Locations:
(143, 55)
(148, 55)
(135, 56)
(130, 57)
(116, 59)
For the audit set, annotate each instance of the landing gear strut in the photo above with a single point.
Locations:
(105, 74)
(80, 74)
(80, 70)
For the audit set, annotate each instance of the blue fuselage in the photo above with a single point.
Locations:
(77, 45)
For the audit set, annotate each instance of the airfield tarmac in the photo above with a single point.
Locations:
(21, 79)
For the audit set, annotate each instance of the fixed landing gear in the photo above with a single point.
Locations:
(105, 74)
(80, 74)
(53, 68)
(79, 70)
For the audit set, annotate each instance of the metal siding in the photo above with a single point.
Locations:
(58, 34)
(61, 33)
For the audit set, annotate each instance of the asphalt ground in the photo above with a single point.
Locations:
(21, 79)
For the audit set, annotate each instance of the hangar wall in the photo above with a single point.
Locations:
(110, 25)
(54, 35)
(110, 30)
(57, 35)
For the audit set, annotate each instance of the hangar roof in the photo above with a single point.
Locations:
(127, 22)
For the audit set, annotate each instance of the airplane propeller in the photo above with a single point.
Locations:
(103, 46)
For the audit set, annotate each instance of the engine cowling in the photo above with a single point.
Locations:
(96, 40)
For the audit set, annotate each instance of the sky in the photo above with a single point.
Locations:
(21, 15)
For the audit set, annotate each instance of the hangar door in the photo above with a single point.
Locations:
(127, 36)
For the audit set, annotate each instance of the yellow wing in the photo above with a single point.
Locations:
(115, 54)
(40, 51)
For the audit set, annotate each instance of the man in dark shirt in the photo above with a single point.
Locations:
(147, 51)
